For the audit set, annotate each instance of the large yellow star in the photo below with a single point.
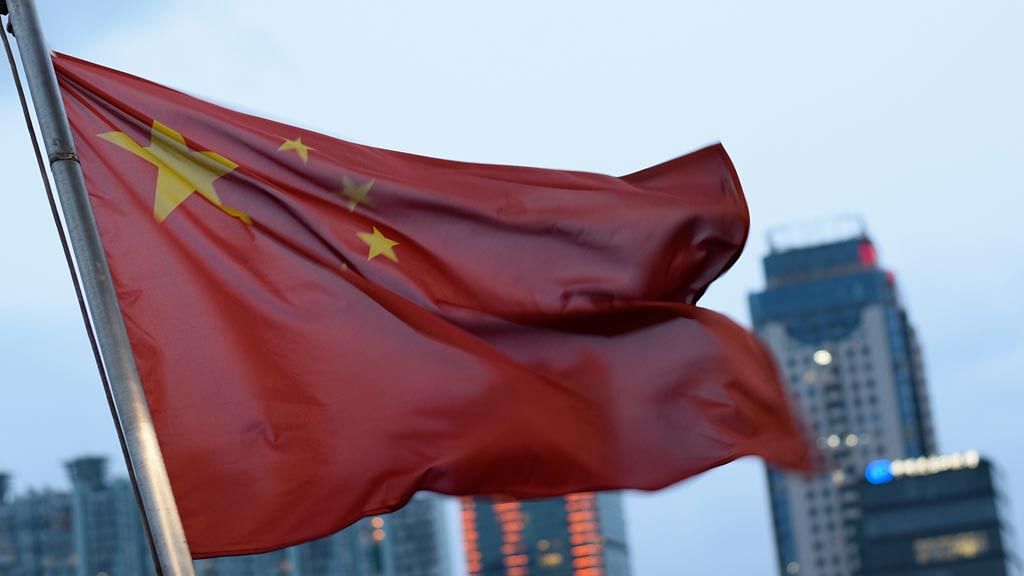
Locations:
(180, 170)
(380, 245)
(301, 149)
(355, 193)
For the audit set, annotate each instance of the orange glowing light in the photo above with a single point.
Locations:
(517, 560)
(578, 527)
(581, 516)
(586, 550)
(513, 526)
(586, 562)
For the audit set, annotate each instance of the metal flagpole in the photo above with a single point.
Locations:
(131, 413)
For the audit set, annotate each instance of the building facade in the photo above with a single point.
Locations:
(409, 542)
(933, 515)
(834, 322)
(106, 527)
(576, 535)
(36, 535)
(95, 530)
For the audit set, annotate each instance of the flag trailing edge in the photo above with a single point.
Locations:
(324, 328)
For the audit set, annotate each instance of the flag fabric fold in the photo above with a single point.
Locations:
(324, 328)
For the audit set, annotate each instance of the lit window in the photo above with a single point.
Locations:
(950, 548)
(551, 559)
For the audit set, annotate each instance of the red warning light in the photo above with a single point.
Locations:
(868, 256)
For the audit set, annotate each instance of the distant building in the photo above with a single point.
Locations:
(409, 542)
(834, 321)
(35, 535)
(96, 531)
(577, 535)
(107, 530)
(929, 516)
(416, 538)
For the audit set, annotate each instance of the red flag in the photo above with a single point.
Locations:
(323, 328)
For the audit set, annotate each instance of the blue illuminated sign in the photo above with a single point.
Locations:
(879, 472)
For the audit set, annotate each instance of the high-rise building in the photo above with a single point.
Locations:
(933, 515)
(35, 535)
(833, 319)
(576, 535)
(107, 530)
(96, 530)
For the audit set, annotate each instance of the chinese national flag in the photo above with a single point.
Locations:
(324, 328)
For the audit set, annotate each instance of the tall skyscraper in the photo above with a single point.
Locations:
(576, 535)
(834, 321)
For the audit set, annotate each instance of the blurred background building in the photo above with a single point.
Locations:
(95, 530)
(835, 324)
(35, 534)
(409, 542)
(576, 535)
(107, 532)
(933, 515)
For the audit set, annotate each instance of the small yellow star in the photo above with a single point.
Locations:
(380, 245)
(301, 149)
(355, 193)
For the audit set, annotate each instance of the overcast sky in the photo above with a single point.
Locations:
(909, 113)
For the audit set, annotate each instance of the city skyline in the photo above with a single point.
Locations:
(917, 129)
(95, 528)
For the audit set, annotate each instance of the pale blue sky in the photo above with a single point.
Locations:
(908, 113)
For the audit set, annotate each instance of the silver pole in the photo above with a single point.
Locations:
(132, 417)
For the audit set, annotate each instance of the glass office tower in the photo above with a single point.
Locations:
(833, 319)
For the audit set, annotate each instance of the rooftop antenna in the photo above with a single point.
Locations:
(815, 232)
